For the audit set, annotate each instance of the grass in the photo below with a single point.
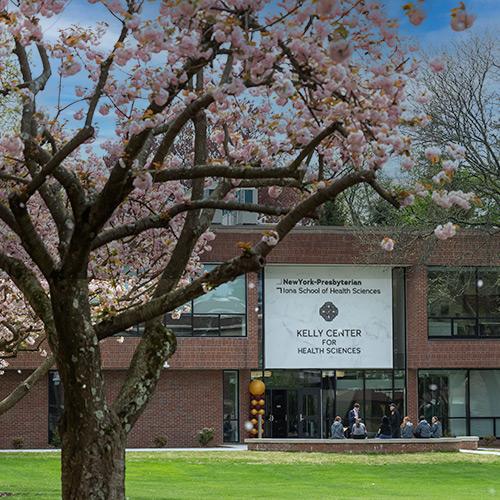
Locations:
(268, 475)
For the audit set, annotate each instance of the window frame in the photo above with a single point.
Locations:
(467, 418)
(238, 405)
(478, 319)
(192, 315)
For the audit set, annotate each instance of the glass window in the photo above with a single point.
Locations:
(231, 406)
(481, 427)
(488, 283)
(439, 327)
(231, 325)
(225, 299)
(56, 407)
(452, 292)
(443, 394)
(485, 393)
(349, 391)
(399, 316)
(220, 312)
(206, 325)
(464, 302)
(457, 427)
(378, 395)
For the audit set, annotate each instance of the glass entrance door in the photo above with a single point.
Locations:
(310, 413)
(277, 418)
(294, 413)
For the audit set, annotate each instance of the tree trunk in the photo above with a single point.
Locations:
(93, 460)
(93, 439)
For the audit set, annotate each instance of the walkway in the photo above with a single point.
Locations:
(232, 447)
(483, 451)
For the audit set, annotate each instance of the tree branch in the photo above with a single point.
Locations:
(26, 385)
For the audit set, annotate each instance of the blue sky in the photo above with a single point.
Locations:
(433, 35)
(435, 32)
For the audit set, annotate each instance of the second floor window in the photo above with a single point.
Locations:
(219, 313)
(464, 301)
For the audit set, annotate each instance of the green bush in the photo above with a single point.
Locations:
(205, 435)
(56, 441)
(160, 441)
(488, 440)
(18, 443)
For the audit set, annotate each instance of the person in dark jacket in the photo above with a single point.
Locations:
(384, 431)
(436, 428)
(423, 429)
(337, 430)
(352, 416)
(395, 421)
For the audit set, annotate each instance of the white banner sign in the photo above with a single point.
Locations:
(327, 317)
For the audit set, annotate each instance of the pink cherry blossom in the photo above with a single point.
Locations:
(340, 50)
(387, 244)
(274, 192)
(104, 109)
(461, 20)
(271, 238)
(144, 181)
(416, 16)
(445, 232)
(407, 163)
(437, 65)
(433, 154)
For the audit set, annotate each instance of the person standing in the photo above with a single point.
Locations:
(337, 430)
(436, 428)
(395, 420)
(353, 415)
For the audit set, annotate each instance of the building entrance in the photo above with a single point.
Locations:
(293, 413)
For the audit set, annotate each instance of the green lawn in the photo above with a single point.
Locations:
(263, 475)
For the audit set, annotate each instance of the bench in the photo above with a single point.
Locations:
(364, 445)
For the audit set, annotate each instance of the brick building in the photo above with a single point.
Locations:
(437, 353)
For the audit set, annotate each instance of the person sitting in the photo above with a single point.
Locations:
(436, 428)
(407, 428)
(384, 431)
(423, 429)
(337, 430)
(358, 430)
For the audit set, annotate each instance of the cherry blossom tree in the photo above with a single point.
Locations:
(99, 234)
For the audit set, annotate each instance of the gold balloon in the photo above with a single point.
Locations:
(254, 421)
(253, 411)
(262, 402)
(253, 432)
(261, 412)
(254, 402)
(256, 387)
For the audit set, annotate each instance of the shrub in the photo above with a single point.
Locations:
(56, 439)
(160, 441)
(489, 440)
(18, 443)
(205, 435)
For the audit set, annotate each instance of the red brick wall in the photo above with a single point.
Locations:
(27, 420)
(184, 402)
(189, 395)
